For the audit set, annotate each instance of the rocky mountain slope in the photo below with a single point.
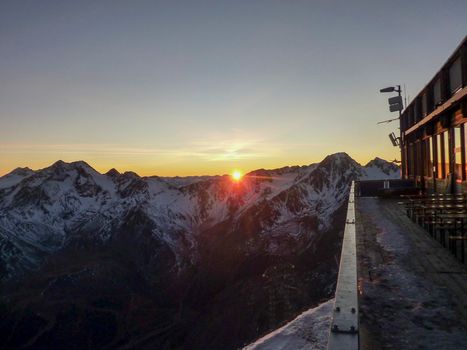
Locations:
(117, 260)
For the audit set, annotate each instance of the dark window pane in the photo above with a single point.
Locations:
(465, 147)
(446, 153)
(439, 153)
(437, 92)
(411, 160)
(457, 153)
(455, 76)
(410, 115)
(419, 150)
(416, 111)
(429, 157)
(424, 105)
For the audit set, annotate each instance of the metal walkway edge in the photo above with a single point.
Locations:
(344, 326)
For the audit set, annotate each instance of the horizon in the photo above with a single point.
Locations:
(208, 87)
(244, 172)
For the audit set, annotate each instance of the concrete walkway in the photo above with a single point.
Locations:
(413, 292)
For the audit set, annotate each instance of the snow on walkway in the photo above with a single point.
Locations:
(309, 331)
(413, 290)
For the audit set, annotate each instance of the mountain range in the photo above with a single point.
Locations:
(115, 260)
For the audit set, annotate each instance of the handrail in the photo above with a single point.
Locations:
(344, 326)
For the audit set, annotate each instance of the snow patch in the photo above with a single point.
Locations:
(309, 331)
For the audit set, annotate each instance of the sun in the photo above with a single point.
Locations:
(236, 175)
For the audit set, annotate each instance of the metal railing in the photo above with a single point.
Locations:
(344, 326)
(371, 188)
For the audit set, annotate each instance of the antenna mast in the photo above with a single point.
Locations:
(405, 97)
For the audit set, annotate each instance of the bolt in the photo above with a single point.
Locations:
(338, 309)
(353, 310)
(352, 329)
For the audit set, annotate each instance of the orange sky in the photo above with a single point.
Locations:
(177, 162)
(165, 88)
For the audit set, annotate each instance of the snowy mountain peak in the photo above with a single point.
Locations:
(82, 164)
(130, 174)
(380, 165)
(61, 167)
(340, 159)
(57, 167)
(113, 173)
(21, 172)
(14, 177)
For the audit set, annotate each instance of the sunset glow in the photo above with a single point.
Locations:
(236, 175)
(176, 92)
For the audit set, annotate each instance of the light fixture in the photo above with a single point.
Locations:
(388, 89)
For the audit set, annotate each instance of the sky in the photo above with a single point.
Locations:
(204, 87)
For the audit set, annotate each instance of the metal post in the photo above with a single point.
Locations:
(401, 143)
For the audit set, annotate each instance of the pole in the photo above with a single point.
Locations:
(401, 143)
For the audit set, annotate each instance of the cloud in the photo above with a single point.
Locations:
(207, 152)
(221, 147)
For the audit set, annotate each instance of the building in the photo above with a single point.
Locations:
(434, 130)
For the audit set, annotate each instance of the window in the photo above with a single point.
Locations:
(402, 122)
(446, 159)
(419, 158)
(455, 76)
(416, 111)
(428, 157)
(437, 92)
(439, 156)
(410, 116)
(434, 155)
(406, 161)
(465, 150)
(458, 153)
(424, 105)
(411, 160)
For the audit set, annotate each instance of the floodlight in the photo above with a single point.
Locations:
(393, 139)
(395, 100)
(395, 108)
(388, 89)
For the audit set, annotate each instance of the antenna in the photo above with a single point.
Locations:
(405, 97)
(387, 121)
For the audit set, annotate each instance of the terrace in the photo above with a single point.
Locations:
(411, 289)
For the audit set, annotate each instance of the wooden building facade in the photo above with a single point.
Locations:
(434, 130)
